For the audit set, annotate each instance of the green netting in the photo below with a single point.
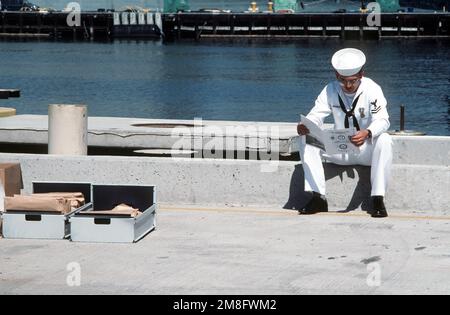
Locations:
(285, 5)
(173, 6)
(389, 5)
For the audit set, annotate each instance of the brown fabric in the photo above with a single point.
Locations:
(28, 203)
(11, 178)
(120, 210)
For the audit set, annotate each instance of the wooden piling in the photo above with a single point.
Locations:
(232, 21)
(178, 21)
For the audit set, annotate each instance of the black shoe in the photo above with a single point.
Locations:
(317, 204)
(379, 209)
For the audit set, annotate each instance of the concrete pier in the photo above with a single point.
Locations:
(234, 221)
(243, 252)
(137, 133)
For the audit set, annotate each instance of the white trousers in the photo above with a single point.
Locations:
(376, 153)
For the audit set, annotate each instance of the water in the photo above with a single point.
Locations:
(222, 81)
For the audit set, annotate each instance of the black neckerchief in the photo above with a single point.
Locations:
(350, 113)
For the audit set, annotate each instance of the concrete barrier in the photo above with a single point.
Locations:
(154, 134)
(237, 183)
(420, 182)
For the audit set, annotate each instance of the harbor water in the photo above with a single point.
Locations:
(255, 81)
(221, 80)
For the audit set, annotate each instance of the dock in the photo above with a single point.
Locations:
(232, 220)
(203, 25)
(198, 251)
(237, 228)
(92, 25)
(291, 26)
(221, 180)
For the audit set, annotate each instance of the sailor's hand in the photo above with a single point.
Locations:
(302, 130)
(360, 137)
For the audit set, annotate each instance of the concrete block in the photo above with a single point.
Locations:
(234, 183)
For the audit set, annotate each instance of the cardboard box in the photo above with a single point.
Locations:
(10, 182)
(11, 178)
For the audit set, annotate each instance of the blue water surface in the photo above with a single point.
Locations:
(255, 81)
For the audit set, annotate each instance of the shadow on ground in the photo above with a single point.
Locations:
(360, 197)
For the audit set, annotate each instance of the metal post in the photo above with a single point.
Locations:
(402, 118)
(403, 131)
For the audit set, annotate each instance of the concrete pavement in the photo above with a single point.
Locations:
(244, 251)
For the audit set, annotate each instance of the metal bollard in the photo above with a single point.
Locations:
(67, 129)
(402, 131)
(402, 118)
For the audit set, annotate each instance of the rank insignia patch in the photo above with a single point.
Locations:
(375, 108)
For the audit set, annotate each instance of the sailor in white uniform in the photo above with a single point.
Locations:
(355, 101)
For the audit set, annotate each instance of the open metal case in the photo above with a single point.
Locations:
(103, 228)
(44, 225)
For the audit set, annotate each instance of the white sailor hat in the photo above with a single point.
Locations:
(349, 61)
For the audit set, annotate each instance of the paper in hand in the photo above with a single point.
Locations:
(330, 140)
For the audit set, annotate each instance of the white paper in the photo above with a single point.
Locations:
(330, 140)
(339, 141)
